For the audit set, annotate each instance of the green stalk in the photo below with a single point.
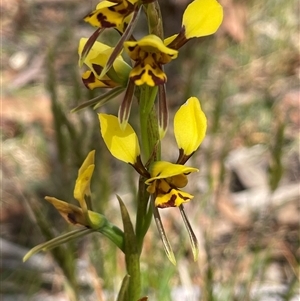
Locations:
(150, 139)
(132, 256)
(148, 120)
(150, 142)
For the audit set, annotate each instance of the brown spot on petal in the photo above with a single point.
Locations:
(170, 203)
(157, 80)
(182, 197)
(131, 48)
(89, 80)
(103, 21)
(136, 77)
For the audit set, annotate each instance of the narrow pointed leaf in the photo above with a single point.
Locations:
(89, 44)
(123, 289)
(125, 36)
(132, 256)
(192, 236)
(163, 236)
(100, 99)
(130, 238)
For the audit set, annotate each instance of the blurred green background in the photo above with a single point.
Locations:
(246, 207)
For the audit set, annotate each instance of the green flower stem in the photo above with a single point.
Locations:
(151, 150)
(155, 19)
(142, 222)
(148, 120)
(132, 256)
(114, 233)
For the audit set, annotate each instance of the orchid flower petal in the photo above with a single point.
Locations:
(163, 169)
(121, 142)
(202, 18)
(190, 126)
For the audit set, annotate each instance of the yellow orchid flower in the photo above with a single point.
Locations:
(165, 180)
(82, 193)
(112, 14)
(201, 18)
(150, 54)
(96, 59)
(74, 214)
(92, 221)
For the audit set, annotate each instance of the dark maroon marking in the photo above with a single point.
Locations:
(157, 80)
(123, 11)
(182, 197)
(89, 80)
(97, 68)
(71, 218)
(103, 21)
(137, 76)
(170, 203)
(131, 48)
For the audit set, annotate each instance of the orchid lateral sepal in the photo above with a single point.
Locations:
(125, 36)
(192, 236)
(99, 100)
(125, 107)
(163, 113)
(89, 44)
(57, 241)
(162, 233)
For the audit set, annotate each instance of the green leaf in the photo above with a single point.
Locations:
(132, 256)
(123, 289)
